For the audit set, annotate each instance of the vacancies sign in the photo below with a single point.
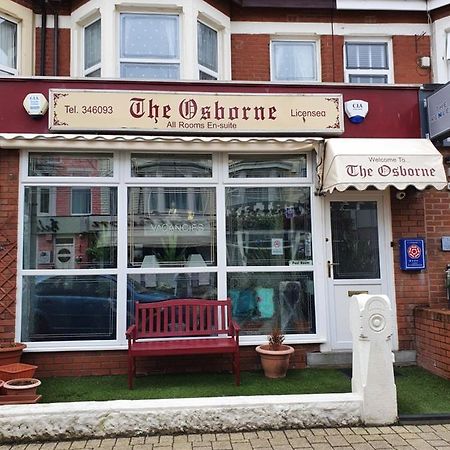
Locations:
(193, 112)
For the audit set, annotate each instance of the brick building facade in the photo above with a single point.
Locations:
(381, 55)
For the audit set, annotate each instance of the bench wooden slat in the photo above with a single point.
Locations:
(183, 327)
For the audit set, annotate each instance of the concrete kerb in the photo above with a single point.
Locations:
(85, 420)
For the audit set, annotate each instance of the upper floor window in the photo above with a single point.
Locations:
(81, 201)
(207, 52)
(149, 46)
(92, 49)
(8, 47)
(367, 62)
(293, 61)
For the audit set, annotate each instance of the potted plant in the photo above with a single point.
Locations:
(275, 355)
(10, 352)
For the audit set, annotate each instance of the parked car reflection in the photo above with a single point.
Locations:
(84, 307)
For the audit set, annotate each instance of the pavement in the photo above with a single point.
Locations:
(399, 437)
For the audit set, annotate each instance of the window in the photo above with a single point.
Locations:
(92, 49)
(293, 61)
(367, 62)
(145, 227)
(8, 47)
(207, 52)
(149, 46)
(81, 201)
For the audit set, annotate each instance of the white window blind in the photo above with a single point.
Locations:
(366, 55)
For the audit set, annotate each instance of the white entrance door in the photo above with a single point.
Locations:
(357, 262)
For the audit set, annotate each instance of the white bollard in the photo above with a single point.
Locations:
(373, 370)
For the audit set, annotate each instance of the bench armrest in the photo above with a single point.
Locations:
(235, 328)
(131, 333)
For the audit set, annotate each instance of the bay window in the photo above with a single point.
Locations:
(149, 46)
(92, 49)
(8, 47)
(207, 48)
(104, 230)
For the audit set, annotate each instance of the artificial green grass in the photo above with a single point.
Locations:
(418, 391)
(421, 392)
(115, 387)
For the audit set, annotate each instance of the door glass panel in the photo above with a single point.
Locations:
(355, 240)
(171, 227)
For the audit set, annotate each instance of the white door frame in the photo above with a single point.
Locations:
(386, 254)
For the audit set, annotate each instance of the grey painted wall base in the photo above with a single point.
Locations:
(344, 359)
(20, 423)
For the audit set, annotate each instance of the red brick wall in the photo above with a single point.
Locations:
(433, 340)
(332, 57)
(115, 362)
(63, 68)
(9, 169)
(250, 57)
(407, 50)
(411, 288)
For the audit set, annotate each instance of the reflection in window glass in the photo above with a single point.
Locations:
(70, 165)
(175, 166)
(69, 308)
(354, 229)
(151, 287)
(268, 226)
(171, 227)
(81, 201)
(58, 239)
(263, 300)
(267, 166)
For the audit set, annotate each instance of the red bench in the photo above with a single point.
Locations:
(183, 327)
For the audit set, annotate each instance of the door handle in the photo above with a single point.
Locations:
(330, 265)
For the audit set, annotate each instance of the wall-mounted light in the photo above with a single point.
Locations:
(35, 104)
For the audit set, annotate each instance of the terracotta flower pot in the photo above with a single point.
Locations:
(11, 354)
(275, 363)
(21, 386)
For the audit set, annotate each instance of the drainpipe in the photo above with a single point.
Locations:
(43, 36)
(55, 43)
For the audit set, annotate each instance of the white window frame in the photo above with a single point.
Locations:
(24, 18)
(189, 12)
(388, 73)
(205, 69)
(149, 60)
(7, 69)
(123, 181)
(299, 40)
(95, 67)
